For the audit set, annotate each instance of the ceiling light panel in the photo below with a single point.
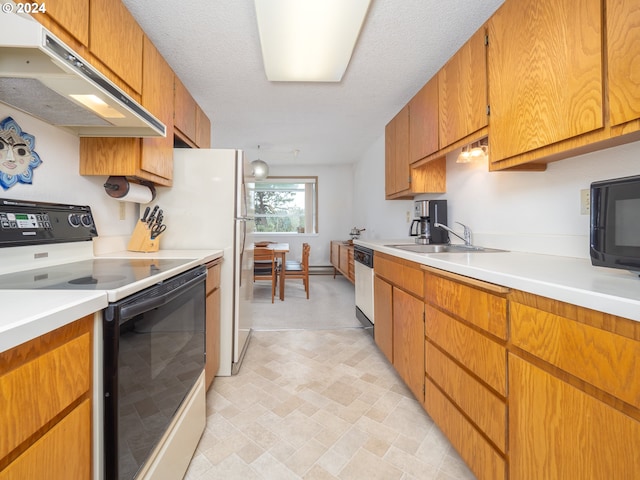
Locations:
(308, 40)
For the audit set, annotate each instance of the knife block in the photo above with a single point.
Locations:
(141, 241)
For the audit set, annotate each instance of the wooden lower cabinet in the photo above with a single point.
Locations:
(399, 328)
(466, 367)
(557, 431)
(45, 393)
(523, 386)
(382, 306)
(212, 329)
(342, 259)
(64, 452)
(408, 340)
(483, 460)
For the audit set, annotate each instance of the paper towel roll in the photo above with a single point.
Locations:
(124, 191)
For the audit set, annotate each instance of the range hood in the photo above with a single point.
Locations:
(43, 77)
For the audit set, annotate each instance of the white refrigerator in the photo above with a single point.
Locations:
(206, 208)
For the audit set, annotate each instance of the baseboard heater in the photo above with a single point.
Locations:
(320, 270)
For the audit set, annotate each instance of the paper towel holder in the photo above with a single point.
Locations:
(118, 187)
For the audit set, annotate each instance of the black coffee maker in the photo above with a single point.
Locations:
(426, 214)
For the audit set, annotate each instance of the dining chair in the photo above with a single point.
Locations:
(265, 267)
(300, 270)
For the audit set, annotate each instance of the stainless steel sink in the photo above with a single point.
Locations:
(418, 248)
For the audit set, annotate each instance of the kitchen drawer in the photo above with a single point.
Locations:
(481, 355)
(483, 460)
(479, 307)
(403, 273)
(64, 452)
(213, 275)
(604, 359)
(35, 392)
(483, 407)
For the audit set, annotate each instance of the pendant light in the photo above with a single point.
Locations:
(259, 169)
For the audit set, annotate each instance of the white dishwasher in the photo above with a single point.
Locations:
(363, 263)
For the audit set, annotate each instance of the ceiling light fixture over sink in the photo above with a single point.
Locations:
(308, 41)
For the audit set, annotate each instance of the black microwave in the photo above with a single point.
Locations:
(615, 223)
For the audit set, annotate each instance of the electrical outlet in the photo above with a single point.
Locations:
(123, 211)
(408, 216)
(585, 201)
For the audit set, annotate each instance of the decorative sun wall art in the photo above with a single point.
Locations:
(17, 155)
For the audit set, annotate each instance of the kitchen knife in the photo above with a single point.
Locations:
(152, 216)
(146, 212)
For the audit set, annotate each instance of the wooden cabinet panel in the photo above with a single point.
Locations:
(212, 347)
(63, 452)
(212, 328)
(462, 96)
(545, 73)
(623, 60)
(603, 359)
(157, 97)
(389, 159)
(483, 460)
(557, 431)
(408, 340)
(404, 273)
(36, 392)
(482, 356)
(483, 309)
(213, 275)
(382, 306)
(185, 107)
(402, 173)
(117, 40)
(423, 121)
(484, 408)
(71, 16)
(203, 129)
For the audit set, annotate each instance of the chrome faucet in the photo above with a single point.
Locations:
(466, 234)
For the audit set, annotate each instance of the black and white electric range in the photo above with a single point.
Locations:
(149, 407)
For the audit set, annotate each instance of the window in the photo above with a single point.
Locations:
(285, 204)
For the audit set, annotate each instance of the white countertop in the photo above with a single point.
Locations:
(27, 314)
(567, 279)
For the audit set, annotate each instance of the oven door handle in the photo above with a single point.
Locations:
(138, 307)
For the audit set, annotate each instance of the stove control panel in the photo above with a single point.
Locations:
(32, 223)
(24, 220)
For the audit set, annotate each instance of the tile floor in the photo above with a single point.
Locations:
(318, 403)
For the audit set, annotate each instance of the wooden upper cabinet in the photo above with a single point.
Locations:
(192, 124)
(157, 97)
(402, 172)
(462, 85)
(72, 17)
(423, 121)
(116, 40)
(545, 73)
(389, 159)
(185, 106)
(623, 57)
(398, 178)
(203, 129)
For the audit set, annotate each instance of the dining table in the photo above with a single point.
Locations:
(280, 251)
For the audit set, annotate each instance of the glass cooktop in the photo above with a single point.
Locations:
(92, 274)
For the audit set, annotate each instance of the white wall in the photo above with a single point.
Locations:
(57, 178)
(525, 211)
(382, 219)
(335, 209)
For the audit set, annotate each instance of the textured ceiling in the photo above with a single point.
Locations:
(214, 48)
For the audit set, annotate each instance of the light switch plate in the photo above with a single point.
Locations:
(585, 201)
